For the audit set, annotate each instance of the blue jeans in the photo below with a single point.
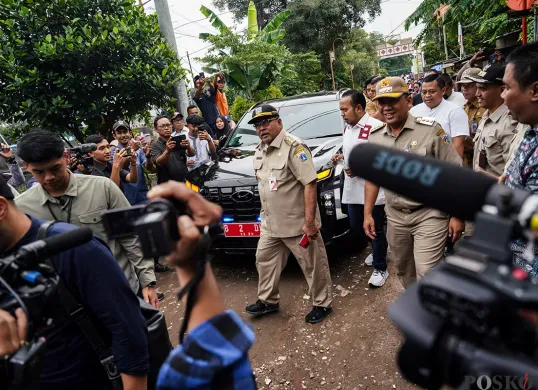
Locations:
(379, 245)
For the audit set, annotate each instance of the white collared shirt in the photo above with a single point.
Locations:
(457, 98)
(450, 116)
(353, 135)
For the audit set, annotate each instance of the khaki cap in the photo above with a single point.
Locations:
(391, 87)
(468, 74)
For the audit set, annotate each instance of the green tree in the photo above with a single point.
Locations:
(397, 65)
(307, 75)
(67, 65)
(266, 9)
(482, 22)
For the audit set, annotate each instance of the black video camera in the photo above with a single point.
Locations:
(472, 321)
(155, 224)
(28, 281)
(80, 153)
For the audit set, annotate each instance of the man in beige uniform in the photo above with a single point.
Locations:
(416, 234)
(287, 185)
(80, 200)
(472, 109)
(497, 129)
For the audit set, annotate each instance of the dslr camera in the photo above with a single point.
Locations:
(80, 153)
(155, 224)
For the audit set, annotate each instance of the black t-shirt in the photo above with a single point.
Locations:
(175, 169)
(95, 279)
(417, 99)
(206, 103)
(105, 170)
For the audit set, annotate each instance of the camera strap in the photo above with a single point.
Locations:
(201, 260)
(79, 315)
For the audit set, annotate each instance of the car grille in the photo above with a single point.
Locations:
(240, 211)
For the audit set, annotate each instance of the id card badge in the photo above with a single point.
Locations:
(273, 186)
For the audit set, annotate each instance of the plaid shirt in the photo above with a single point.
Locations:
(523, 174)
(213, 356)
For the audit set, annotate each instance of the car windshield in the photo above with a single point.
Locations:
(305, 121)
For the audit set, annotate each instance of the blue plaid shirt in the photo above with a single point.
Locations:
(213, 356)
(523, 174)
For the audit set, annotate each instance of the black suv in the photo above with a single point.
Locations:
(231, 183)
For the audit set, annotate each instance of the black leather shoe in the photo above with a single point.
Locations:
(161, 268)
(317, 314)
(160, 296)
(259, 308)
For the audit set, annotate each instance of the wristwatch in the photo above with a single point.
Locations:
(11, 160)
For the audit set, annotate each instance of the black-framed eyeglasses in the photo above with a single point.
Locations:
(264, 122)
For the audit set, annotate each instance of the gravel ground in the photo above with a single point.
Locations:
(354, 348)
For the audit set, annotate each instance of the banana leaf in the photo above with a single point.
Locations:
(214, 19)
(252, 21)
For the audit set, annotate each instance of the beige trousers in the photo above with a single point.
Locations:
(272, 256)
(417, 241)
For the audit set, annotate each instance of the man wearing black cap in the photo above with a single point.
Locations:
(136, 191)
(497, 129)
(178, 121)
(290, 219)
(95, 279)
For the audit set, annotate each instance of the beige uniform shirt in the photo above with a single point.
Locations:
(283, 169)
(371, 107)
(90, 196)
(422, 137)
(494, 135)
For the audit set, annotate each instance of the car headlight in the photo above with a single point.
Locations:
(193, 187)
(322, 175)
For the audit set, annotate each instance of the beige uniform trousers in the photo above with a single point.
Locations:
(272, 256)
(417, 240)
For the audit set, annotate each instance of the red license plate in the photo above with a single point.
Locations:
(242, 229)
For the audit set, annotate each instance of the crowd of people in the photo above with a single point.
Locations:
(483, 118)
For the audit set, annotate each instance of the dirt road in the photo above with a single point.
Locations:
(355, 348)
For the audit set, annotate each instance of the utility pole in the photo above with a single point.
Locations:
(165, 24)
(444, 37)
(190, 66)
(351, 67)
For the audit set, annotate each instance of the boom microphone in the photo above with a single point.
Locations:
(53, 245)
(452, 189)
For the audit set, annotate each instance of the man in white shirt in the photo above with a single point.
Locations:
(201, 142)
(452, 96)
(451, 117)
(357, 131)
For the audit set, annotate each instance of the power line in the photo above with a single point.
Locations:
(203, 48)
(187, 35)
(199, 20)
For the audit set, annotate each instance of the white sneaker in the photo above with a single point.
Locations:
(378, 278)
(369, 260)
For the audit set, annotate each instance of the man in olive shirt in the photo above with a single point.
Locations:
(80, 200)
(416, 234)
(287, 182)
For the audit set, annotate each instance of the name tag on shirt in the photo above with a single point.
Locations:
(273, 186)
(364, 132)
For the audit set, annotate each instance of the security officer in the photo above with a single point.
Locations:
(472, 109)
(416, 234)
(497, 129)
(290, 216)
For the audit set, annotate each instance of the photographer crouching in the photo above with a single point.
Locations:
(91, 275)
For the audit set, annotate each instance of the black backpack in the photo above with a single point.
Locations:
(158, 340)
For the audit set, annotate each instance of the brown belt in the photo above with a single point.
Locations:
(410, 211)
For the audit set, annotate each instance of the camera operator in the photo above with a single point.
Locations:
(223, 361)
(79, 199)
(135, 191)
(169, 158)
(92, 276)
(114, 171)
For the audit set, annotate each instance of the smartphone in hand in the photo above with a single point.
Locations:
(304, 241)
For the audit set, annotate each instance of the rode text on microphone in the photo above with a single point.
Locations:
(468, 318)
